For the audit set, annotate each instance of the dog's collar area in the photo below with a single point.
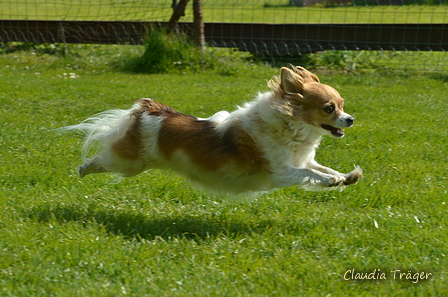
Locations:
(336, 132)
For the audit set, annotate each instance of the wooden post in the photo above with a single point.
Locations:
(178, 11)
(198, 25)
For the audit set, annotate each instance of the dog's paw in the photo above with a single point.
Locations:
(353, 177)
(336, 181)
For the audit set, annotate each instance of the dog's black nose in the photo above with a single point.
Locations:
(350, 121)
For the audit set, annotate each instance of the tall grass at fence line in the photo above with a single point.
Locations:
(223, 61)
(165, 53)
(356, 61)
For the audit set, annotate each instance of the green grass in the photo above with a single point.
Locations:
(156, 235)
(328, 15)
(255, 11)
(385, 60)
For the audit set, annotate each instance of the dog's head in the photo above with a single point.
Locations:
(317, 104)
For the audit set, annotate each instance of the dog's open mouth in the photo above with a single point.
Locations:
(336, 132)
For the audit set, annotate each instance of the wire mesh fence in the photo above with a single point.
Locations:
(234, 11)
(280, 29)
(85, 10)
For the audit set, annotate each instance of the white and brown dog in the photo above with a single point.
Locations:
(268, 143)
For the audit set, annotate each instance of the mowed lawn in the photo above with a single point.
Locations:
(155, 235)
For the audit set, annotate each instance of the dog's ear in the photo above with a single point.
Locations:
(306, 75)
(290, 82)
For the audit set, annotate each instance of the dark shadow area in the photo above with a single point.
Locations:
(56, 49)
(440, 76)
(134, 225)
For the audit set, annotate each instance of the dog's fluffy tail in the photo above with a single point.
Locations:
(103, 129)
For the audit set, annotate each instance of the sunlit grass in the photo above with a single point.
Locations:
(156, 235)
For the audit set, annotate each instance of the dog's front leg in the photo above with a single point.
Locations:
(349, 178)
(316, 166)
(306, 177)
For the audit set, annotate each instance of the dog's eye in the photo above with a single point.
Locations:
(329, 109)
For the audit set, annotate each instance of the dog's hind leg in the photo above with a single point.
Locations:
(91, 166)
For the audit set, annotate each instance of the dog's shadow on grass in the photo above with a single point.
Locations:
(138, 226)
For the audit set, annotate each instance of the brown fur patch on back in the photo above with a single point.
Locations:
(152, 107)
(196, 138)
(130, 145)
(206, 147)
